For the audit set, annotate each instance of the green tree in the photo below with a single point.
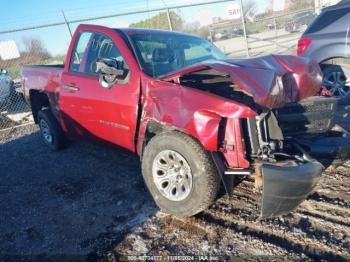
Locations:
(160, 21)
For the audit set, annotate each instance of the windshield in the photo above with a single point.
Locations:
(162, 53)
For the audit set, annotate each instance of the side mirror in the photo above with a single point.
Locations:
(110, 71)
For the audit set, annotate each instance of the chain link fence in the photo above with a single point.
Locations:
(14, 110)
(269, 32)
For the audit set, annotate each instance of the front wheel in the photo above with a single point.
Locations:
(179, 174)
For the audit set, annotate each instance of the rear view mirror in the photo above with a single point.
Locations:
(109, 71)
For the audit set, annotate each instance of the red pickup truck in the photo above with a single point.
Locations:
(195, 118)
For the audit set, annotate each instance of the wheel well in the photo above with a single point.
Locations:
(153, 128)
(334, 61)
(38, 100)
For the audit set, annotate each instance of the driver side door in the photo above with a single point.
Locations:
(90, 111)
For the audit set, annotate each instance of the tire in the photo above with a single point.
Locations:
(336, 78)
(51, 130)
(197, 171)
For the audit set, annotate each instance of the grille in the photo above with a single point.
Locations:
(310, 116)
(302, 108)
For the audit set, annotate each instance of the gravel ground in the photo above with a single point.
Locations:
(88, 202)
(72, 203)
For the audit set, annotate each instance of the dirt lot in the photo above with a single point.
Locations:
(88, 202)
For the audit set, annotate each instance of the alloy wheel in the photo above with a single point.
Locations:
(337, 83)
(172, 175)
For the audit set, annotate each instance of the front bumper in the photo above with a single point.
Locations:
(286, 185)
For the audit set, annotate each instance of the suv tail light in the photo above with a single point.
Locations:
(303, 43)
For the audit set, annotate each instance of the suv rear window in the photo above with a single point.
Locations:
(326, 18)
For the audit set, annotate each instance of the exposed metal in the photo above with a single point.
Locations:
(238, 172)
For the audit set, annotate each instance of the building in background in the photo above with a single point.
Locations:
(278, 5)
(8, 50)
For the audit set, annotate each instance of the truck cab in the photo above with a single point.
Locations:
(195, 118)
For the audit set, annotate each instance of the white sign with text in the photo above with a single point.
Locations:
(234, 11)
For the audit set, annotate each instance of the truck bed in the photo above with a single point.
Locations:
(42, 78)
(49, 66)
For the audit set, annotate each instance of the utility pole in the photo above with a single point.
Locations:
(169, 20)
(318, 6)
(168, 15)
(210, 35)
(244, 30)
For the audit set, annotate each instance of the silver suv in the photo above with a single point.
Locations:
(6, 86)
(327, 40)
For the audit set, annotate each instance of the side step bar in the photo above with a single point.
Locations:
(239, 172)
(227, 176)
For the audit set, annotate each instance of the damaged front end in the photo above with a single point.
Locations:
(284, 171)
(274, 144)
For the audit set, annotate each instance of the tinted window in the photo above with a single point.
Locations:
(326, 18)
(162, 53)
(91, 46)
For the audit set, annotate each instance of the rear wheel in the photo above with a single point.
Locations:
(179, 174)
(336, 78)
(50, 129)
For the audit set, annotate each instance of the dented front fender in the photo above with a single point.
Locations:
(191, 111)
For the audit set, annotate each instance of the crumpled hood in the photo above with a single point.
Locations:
(271, 80)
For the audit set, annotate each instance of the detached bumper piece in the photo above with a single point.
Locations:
(286, 185)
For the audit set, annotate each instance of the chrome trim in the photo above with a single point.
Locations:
(71, 88)
(238, 172)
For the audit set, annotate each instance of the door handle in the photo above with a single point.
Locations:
(71, 88)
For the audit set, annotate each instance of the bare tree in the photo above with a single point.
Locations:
(35, 47)
(250, 8)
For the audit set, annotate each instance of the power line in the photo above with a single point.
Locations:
(82, 20)
(55, 16)
(164, 3)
